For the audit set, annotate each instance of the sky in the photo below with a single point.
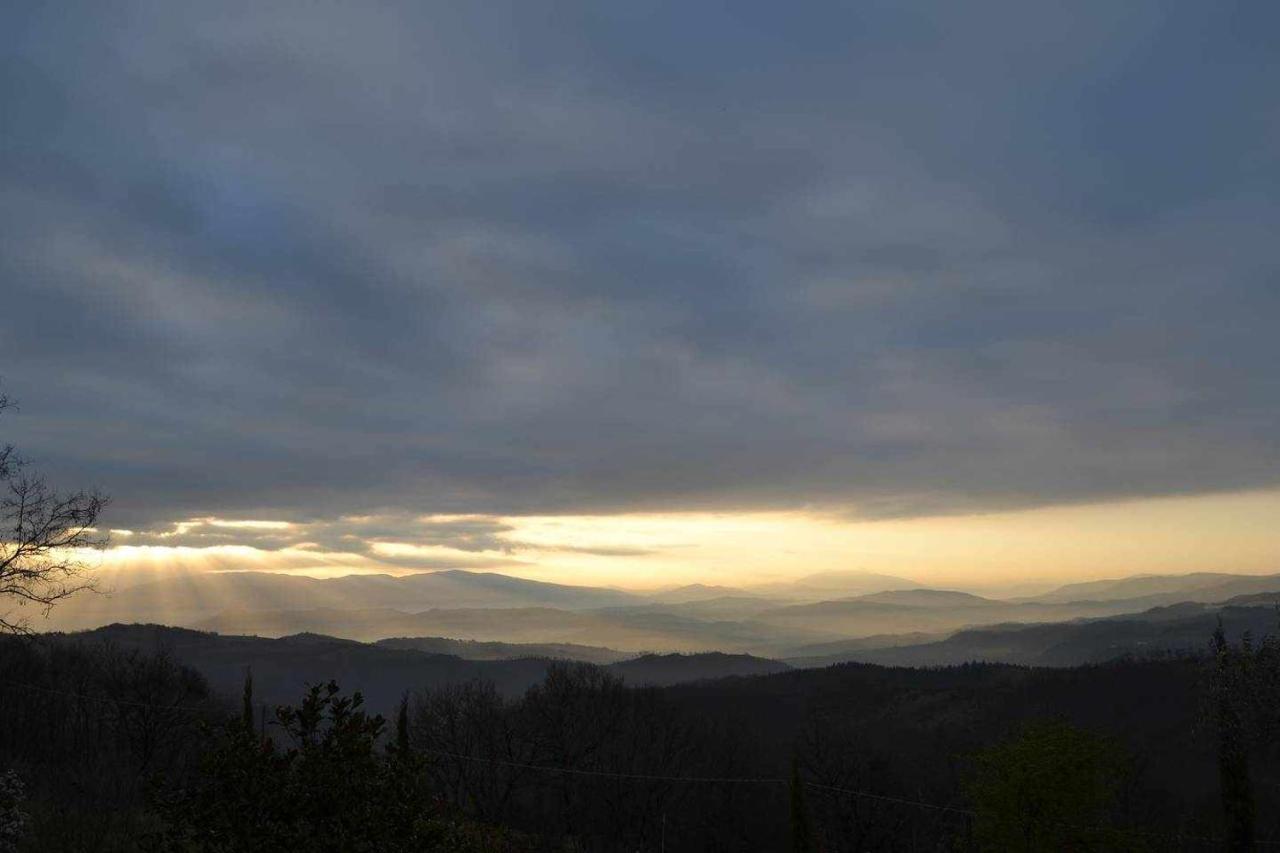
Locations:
(648, 294)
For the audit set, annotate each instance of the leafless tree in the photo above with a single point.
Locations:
(43, 534)
(839, 759)
(476, 755)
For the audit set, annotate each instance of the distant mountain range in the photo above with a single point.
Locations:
(635, 630)
(194, 596)
(1204, 587)
(834, 585)
(383, 670)
(462, 605)
(487, 616)
(1179, 629)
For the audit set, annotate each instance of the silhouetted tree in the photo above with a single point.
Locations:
(835, 754)
(474, 748)
(149, 701)
(41, 533)
(246, 703)
(402, 727)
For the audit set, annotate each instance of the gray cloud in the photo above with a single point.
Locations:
(288, 261)
(458, 542)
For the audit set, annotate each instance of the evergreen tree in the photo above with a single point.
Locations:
(246, 711)
(402, 726)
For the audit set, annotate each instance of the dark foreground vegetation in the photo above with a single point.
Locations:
(120, 749)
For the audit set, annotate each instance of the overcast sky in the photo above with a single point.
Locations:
(307, 261)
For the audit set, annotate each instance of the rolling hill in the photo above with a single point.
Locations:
(664, 670)
(382, 672)
(1163, 589)
(464, 611)
(479, 650)
(1182, 629)
(625, 629)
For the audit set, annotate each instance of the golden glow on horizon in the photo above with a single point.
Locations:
(1229, 532)
(216, 558)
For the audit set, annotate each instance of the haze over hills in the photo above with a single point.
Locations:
(457, 607)
(1179, 629)
(835, 584)
(920, 597)
(185, 598)
(932, 611)
(1156, 589)
(382, 669)
(186, 595)
(637, 630)
(697, 592)
(489, 616)
(282, 667)
(193, 598)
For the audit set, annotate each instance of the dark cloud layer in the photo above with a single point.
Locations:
(299, 260)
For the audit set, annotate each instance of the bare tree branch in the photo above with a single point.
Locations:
(43, 534)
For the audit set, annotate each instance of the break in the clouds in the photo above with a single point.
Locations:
(304, 261)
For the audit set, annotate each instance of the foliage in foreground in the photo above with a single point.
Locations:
(1050, 787)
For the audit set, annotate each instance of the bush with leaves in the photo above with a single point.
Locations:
(1052, 786)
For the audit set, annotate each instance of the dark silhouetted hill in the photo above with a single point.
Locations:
(1181, 629)
(283, 666)
(677, 668)
(477, 650)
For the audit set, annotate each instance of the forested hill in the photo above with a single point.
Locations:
(678, 668)
(384, 672)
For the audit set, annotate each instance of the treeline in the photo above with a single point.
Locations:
(87, 730)
(120, 750)
(582, 758)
